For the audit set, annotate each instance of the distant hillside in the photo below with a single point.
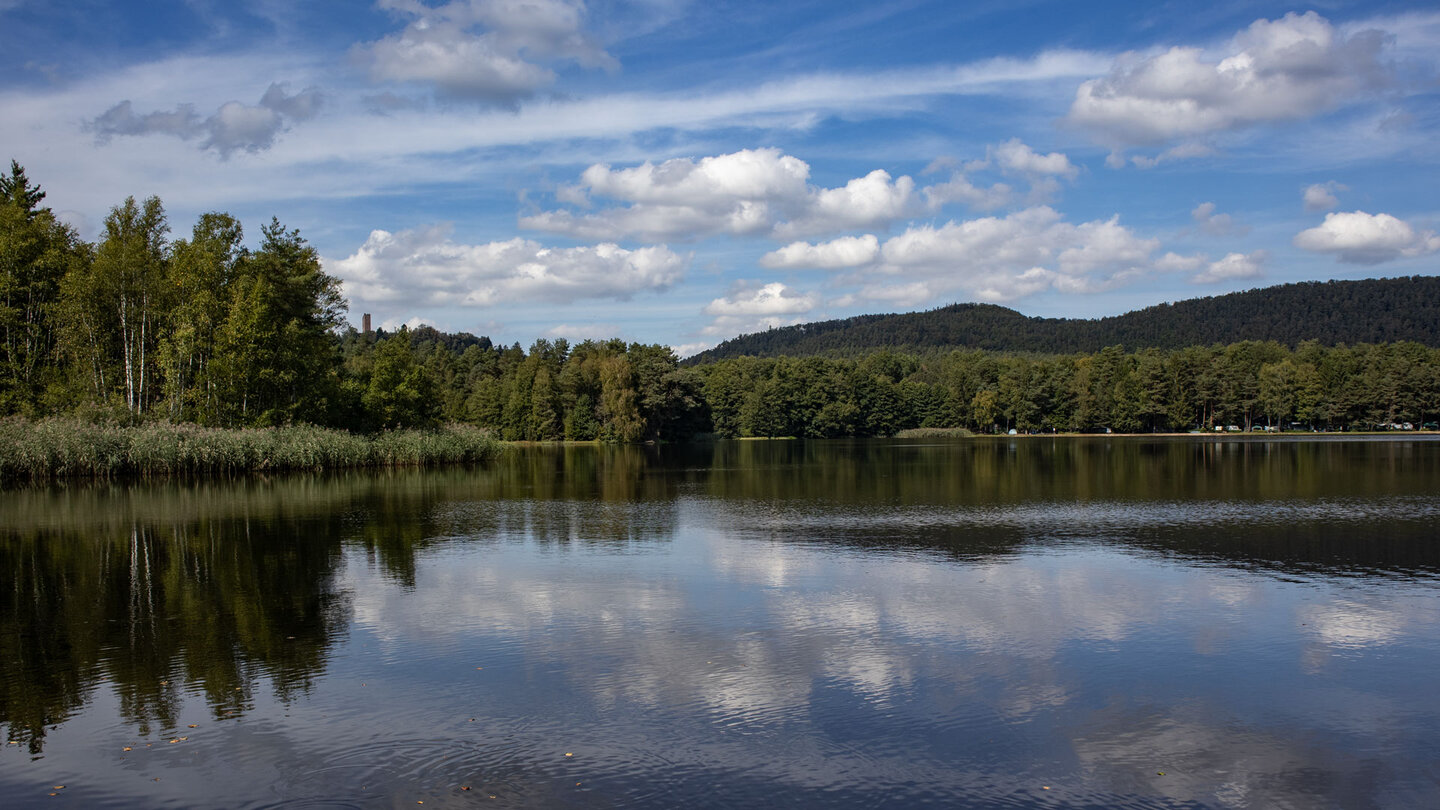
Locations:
(1370, 311)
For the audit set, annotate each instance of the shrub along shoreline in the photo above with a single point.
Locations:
(68, 448)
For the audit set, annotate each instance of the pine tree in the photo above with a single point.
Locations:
(36, 252)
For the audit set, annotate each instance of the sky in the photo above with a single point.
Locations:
(678, 172)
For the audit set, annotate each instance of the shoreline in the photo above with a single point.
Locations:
(55, 449)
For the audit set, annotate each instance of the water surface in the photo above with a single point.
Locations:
(1061, 622)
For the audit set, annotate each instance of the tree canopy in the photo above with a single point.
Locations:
(139, 326)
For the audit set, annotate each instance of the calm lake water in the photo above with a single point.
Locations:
(993, 623)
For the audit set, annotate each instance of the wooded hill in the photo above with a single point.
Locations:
(1332, 312)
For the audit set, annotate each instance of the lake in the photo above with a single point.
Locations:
(1012, 622)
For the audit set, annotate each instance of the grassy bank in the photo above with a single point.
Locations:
(56, 448)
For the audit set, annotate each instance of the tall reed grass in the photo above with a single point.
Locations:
(56, 448)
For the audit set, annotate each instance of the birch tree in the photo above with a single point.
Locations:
(129, 274)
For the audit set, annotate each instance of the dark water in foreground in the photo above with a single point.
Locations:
(1012, 623)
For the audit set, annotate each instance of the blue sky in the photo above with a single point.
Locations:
(683, 172)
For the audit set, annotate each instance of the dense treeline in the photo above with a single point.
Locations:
(1369, 311)
(606, 390)
(192, 330)
(615, 392)
(1245, 385)
(137, 328)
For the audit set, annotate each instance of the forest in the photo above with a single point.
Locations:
(1364, 311)
(138, 328)
(618, 392)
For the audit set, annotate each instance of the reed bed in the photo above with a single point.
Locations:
(63, 448)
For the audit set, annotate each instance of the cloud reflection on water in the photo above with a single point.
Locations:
(1113, 658)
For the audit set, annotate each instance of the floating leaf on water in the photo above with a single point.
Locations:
(127, 748)
(194, 725)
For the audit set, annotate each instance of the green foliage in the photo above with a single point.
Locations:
(1246, 384)
(284, 312)
(203, 273)
(16, 190)
(401, 392)
(128, 279)
(199, 330)
(36, 252)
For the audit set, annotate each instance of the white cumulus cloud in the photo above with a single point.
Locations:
(752, 191)
(489, 50)
(1015, 156)
(1004, 258)
(1360, 238)
(847, 251)
(1232, 266)
(711, 182)
(1173, 262)
(750, 308)
(682, 198)
(424, 267)
(1321, 196)
(1276, 70)
(961, 189)
(873, 200)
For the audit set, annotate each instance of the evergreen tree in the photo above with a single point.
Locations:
(282, 357)
(36, 253)
(401, 392)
